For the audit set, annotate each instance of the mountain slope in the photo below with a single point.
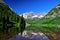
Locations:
(6, 11)
(8, 19)
(53, 16)
(54, 12)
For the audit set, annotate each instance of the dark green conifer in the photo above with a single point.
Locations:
(22, 24)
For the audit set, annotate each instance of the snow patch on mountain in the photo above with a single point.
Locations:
(31, 15)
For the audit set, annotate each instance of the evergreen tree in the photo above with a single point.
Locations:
(22, 24)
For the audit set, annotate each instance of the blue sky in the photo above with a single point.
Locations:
(36, 6)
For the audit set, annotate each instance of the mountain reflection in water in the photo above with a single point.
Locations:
(19, 37)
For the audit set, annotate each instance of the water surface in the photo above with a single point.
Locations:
(19, 37)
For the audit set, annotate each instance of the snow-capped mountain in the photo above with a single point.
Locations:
(28, 15)
(31, 15)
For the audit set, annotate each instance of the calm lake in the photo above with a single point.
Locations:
(19, 37)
